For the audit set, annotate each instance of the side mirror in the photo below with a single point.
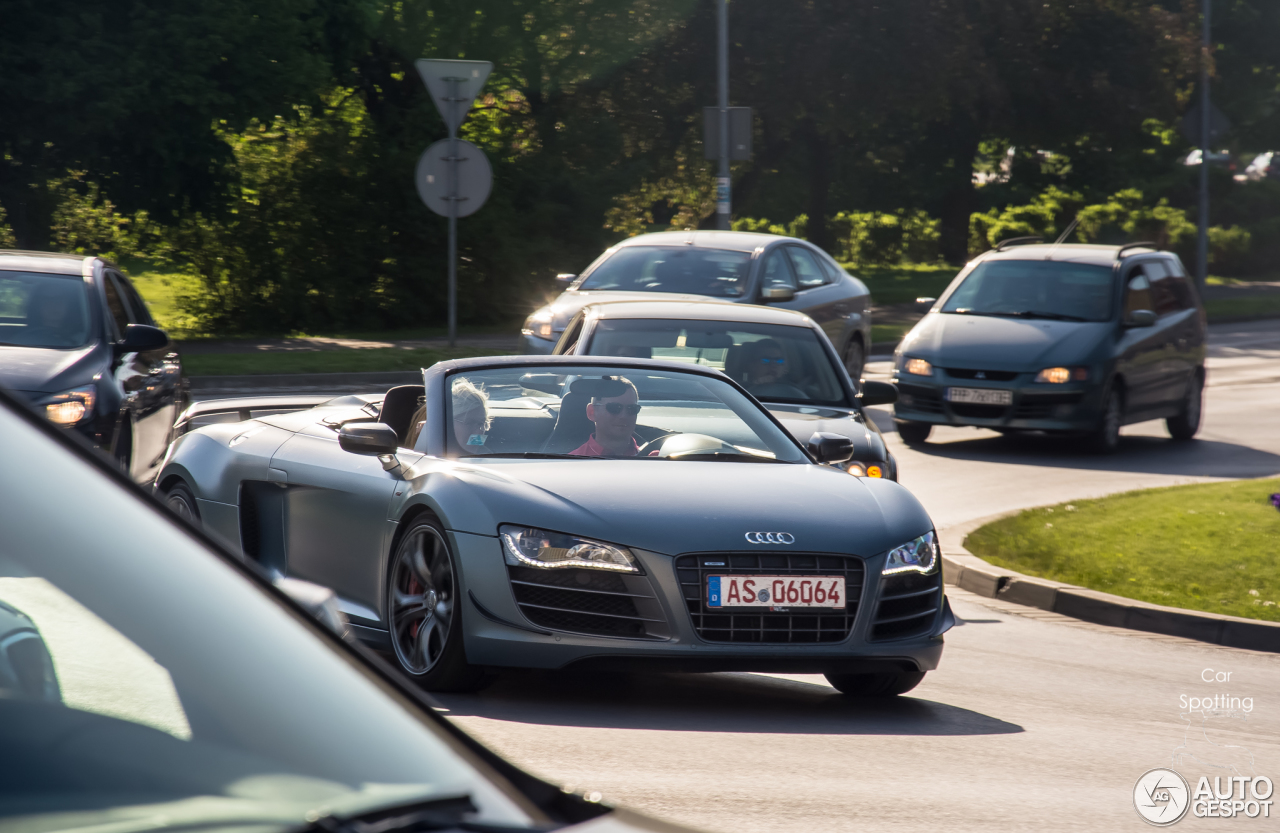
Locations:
(140, 338)
(878, 393)
(1140, 318)
(373, 439)
(830, 448)
(778, 294)
(565, 278)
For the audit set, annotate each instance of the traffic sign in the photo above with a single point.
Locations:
(454, 86)
(474, 178)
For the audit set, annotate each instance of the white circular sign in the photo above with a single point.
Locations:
(1161, 797)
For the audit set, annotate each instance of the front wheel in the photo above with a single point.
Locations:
(423, 614)
(182, 503)
(875, 685)
(914, 433)
(1186, 424)
(1105, 439)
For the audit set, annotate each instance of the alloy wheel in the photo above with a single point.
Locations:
(421, 599)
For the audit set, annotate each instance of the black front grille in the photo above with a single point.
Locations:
(908, 604)
(1041, 405)
(982, 375)
(588, 601)
(969, 409)
(916, 398)
(803, 625)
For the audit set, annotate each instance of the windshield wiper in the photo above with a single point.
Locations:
(728, 456)
(532, 455)
(1035, 313)
(443, 813)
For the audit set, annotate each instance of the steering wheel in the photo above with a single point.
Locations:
(655, 443)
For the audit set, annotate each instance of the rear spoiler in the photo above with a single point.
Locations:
(245, 407)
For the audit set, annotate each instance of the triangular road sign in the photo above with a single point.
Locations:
(454, 86)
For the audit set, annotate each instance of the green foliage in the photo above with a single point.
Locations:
(1046, 215)
(796, 228)
(86, 222)
(7, 240)
(1229, 249)
(1205, 547)
(875, 238)
(1126, 212)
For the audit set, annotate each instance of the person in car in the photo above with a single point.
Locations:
(470, 415)
(51, 316)
(767, 371)
(615, 421)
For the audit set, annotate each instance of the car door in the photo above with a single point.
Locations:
(163, 369)
(1142, 349)
(336, 531)
(1175, 304)
(816, 295)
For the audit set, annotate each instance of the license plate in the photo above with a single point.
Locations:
(775, 591)
(980, 396)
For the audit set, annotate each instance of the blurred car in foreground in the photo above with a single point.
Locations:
(1078, 339)
(734, 266)
(150, 682)
(781, 357)
(480, 521)
(77, 341)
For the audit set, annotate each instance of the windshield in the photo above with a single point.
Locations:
(43, 310)
(1035, 289)
(777, 363)
(684, 269)
(146, 684)
(594, 412)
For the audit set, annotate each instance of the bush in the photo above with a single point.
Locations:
(875, 238)
(796, 228)
(87, 223)
(1045, 216)
(1229, 250)
(7, 240)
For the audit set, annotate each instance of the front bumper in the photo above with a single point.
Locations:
(499, 633)
(1071, 407)
(532, 345)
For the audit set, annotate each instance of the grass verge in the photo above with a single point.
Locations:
(326, 361)
(1209, 547)
(903, 284)
(1237, 309)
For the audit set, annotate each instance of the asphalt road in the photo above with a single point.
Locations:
(1032, 722)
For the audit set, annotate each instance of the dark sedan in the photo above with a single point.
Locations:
(77, 341)
(740, 267)
(1077, 339)
(781, 357)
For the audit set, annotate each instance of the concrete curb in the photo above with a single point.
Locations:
(304, 380)
(969, 572)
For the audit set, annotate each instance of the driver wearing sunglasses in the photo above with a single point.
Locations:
(615, 421)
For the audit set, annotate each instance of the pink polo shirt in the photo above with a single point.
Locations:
(591, 448)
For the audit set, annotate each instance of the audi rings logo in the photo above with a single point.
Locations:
(770, 538)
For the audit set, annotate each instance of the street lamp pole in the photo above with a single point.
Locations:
(722, 182)
(1202, 238)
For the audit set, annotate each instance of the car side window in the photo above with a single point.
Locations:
(1138, 294)
(116, 305)
(141, 315)
(777, 271)
(808, 273)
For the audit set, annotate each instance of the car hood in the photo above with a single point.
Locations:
(42, 370)
(990, 343)
(673, 507)
(568, 304)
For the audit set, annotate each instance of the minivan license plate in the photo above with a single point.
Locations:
(980, 396)
(775, 591)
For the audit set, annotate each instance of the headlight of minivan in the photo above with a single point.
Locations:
(917, 556)
(539, 324)
(916, 367)
(524, 546)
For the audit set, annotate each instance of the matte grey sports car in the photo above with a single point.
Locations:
(542, 512)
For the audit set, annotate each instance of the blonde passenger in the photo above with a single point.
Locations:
(470, 414)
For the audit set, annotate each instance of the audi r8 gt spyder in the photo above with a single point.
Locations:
(555, 511)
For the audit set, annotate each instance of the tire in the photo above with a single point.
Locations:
(123, 447)
(1186, 424)
(425, 621)
(182, 503)
(914, 433)
(855, 357)
(1105, 439)
(875, 685)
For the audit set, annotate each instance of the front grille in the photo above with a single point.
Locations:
(588, 601)
(908, 604)
(804, 625)
(987, 375)
(969, 409)
(915, 398)
(1040, 405)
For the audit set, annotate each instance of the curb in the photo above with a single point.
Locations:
(969, 572)
(304, 380)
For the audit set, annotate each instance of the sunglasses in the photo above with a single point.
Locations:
(617, 408)
(777, 360)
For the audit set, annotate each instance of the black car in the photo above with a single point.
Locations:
(736, 266)
(1078, 339)
(782, 357)
(151, 681)
(77, 341)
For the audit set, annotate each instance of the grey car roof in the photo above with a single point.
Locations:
(1089, 253)
(700, 311)
(52, 262)
(738, 241)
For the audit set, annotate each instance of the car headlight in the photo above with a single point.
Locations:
(1062, 375)
(539, 324)
(919, 556)
(864, 469)
(70, 406)
(916, 367)
(524, 546)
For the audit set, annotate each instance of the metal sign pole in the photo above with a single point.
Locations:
(453, 211)
(722, 182)
(1202, 237)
